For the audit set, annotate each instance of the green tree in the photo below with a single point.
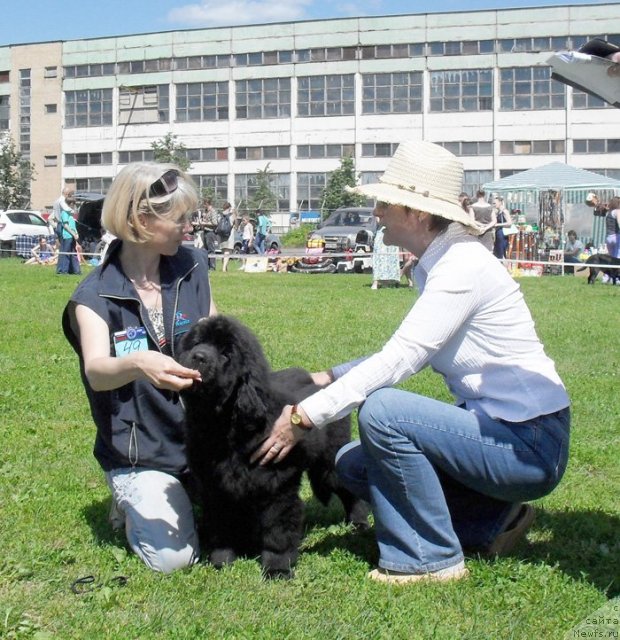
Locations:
(334, 194)
(263, 198)
(168, 150)
(16, 174)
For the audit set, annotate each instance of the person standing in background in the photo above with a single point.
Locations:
(262, 229)
(68, 261)
(484, 214)
(503, 220)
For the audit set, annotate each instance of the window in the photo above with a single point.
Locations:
(4, 112)
(4, 77)
(262, 153)
(140, 155)
(326, 54)
(387, 51)
(263, 98)
(87, 159)
(473, 180)
(202, 62)
(246, 188)
(594, 145)
(392, 93)
(215, 184)
(51, 108)
(310, 188)
(88, 108)
(50, 161)
(213, 154)
(379, 149)
(530, 88)
(466, 90)
(98, 185)
(462, 148)
(50, 72)
(263, 58)
(144, 104)
(332, 95)
(199, 101)
(90, 70)
(325, 150)
(583, 100)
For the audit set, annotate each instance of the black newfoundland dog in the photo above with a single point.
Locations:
(602, 262)
(251, 510)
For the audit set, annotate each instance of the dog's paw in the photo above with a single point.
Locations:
(278, 566)
(358, 516)
(221, 557)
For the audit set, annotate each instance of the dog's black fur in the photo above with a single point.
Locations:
(249, 509)
(597, 263)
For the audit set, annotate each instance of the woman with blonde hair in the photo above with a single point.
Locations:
(125, 321)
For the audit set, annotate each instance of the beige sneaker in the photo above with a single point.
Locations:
(456, 572)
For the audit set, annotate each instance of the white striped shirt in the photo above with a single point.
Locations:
(471, 325)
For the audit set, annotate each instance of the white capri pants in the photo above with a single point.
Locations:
(159, 520)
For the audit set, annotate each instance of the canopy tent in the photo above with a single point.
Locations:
(553, 196)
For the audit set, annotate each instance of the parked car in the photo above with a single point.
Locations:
(348, 230)
(21, 222)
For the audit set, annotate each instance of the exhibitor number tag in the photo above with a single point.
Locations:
(131, 340)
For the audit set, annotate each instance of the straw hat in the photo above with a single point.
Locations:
(422, 176)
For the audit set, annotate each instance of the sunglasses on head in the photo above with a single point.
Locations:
(165, 185)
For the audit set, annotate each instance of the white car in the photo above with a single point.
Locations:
(20, 222)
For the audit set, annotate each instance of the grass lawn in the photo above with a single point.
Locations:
(54, 502)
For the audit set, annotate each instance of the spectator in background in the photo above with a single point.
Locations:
(503, 220)
(68, 261)
(263, 225)
(484, 214)
(61, 205)
(611, 212)
(247, 237)
(572, 250)
(43, 253)
(227, 245)
(210, 240)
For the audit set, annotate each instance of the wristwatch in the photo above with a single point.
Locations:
(297, 420)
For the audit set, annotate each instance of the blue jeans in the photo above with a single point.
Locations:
(259, 243)
(441, 478)
(67, 259)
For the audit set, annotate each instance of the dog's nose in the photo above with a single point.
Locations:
(200, 355)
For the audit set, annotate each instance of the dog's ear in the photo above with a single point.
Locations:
(250, 406)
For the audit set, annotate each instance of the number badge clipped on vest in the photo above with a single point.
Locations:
(129, 341)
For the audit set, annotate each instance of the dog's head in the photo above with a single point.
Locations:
(231, 363)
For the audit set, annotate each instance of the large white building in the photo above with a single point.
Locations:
(301, 95)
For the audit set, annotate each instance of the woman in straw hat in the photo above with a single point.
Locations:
(443, 477)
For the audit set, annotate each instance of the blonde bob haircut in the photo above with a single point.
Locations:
(127, 200)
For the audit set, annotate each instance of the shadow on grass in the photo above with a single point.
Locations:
(582, 544)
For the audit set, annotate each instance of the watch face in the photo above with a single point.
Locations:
(295, 418)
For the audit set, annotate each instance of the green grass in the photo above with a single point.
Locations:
(53, 500)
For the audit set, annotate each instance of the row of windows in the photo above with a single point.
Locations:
(369, 150)
(310, 186)
(521, 88)
(328, 54)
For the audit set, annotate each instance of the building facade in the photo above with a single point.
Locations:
(299, 96)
